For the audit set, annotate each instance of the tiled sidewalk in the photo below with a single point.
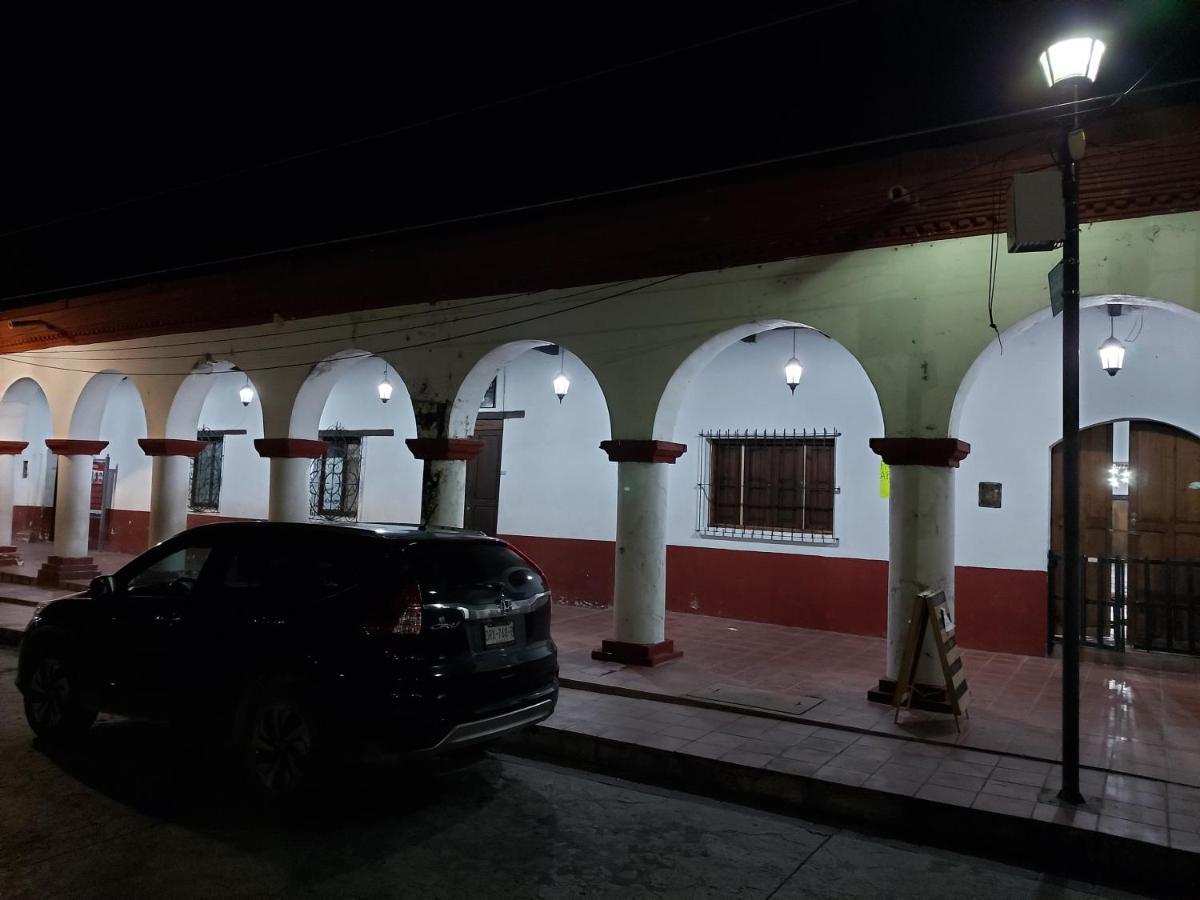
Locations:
(1125, 806)
(1134, 721)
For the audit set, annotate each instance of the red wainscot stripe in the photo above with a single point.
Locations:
(128, 529)
(1001, 609)
(128, 532)
(32, 522)
(195, 520)
(580, 571)
(802, 590)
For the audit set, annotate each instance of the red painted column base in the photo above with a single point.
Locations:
(929, 697)
(60, 569)
(9, 556)
(631, 654)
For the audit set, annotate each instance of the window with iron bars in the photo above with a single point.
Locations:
(768, 485)
(204, 492)
(334, 479)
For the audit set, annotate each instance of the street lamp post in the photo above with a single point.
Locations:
(1073, 61)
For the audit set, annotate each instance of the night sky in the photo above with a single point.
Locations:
(118, 113)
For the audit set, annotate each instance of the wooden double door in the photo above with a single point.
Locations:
(1160, 517)
(483, 477)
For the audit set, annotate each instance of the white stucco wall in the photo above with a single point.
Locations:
(556, 480)
(1011, 415)
(121, 424)
(25, 416)
(245, 476)
(743, 388)
(558, 483)
(390, 486)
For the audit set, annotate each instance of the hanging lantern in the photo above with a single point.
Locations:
(1112, 351)
(562, 383)
(246, 394)
(792, 370)
(1112, 356)
(385, 387)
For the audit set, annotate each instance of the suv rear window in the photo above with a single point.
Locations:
(471, 573)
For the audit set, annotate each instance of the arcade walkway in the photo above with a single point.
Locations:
(1137, 721)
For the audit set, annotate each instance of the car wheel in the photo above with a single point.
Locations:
(54, 706)
(282, 745)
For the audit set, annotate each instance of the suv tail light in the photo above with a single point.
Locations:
(410, 618)
(401, 614)
(532, 565)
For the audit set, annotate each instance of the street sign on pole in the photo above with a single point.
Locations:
(1055, 279)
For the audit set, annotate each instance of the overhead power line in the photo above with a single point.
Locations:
(24, 360)
(592, 195)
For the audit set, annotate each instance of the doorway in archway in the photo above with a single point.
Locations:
(1140, 536)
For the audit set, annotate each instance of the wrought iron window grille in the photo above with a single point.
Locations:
(334, 479)
(204, 486)
(768, 485)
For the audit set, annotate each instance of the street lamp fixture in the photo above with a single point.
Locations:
(1073, 58)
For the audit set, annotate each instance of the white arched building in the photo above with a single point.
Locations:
(678, 471)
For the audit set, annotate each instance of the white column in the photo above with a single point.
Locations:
(444, 492)
(289, 489)
(168, 496)
(640, 579)
(6, 499)
(72, 512)
(921, 555)
(640, 571)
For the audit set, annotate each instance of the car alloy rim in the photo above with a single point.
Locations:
(282, 746)
(48, 692)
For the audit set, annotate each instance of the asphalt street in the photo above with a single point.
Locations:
(132, 814)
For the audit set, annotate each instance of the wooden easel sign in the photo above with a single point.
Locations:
(929, 609)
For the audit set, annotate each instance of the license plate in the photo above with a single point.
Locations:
(501, 633)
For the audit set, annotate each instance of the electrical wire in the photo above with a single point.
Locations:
(578, 198)
(993, 265)
(367, 355)
(1162, 57)
(54, 352)
(1135, 331)
(432, 120)
(76, 350)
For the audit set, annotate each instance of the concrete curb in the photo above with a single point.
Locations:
(759, 712)
(1088, 856)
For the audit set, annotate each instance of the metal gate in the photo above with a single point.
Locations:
(1148, 604)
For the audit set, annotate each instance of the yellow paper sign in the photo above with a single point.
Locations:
(885, 480)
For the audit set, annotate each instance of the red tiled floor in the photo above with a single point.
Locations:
(1139, 721)
(33, 555)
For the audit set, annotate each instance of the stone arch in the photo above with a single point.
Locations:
(465, 407)
(672, 397)
(17, 405)
(183, 419)
(1042, 317)
(314, 393)
(93, 401)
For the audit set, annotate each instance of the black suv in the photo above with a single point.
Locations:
(290, 641)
